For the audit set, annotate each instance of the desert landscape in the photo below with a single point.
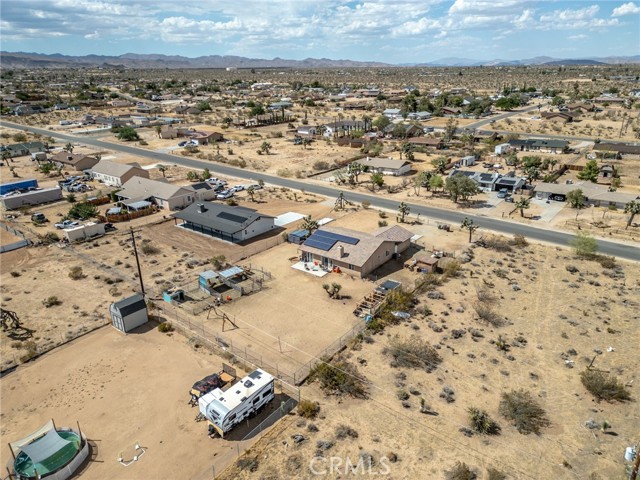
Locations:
(341, 229)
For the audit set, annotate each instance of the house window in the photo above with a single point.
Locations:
(386, 253)
(350, 267)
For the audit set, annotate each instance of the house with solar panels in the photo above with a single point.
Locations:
(354, 253)
(234, 224)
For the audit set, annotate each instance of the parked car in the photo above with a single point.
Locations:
(38, 218)
(213, 180)
(255, 186)
(224, 194)
(502, 193)
(509, 199)
(182, 144)
(237, 188)
(66, 224)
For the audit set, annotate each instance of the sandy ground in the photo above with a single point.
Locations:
(122, 390)
(554, 312)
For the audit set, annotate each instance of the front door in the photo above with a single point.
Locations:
(326, 262)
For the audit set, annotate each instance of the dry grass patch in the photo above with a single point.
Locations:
(525, 413)
(340, 378)
(412, 353)
(604, 386)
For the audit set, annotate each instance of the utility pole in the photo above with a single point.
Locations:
(135, 252)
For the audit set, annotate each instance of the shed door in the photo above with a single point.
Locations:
(117, 322)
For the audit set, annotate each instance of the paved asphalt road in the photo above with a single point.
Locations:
(559, 238)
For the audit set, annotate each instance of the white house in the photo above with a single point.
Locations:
(386, 165)
(116, 174)
(164, 194)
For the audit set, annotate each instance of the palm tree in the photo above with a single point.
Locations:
(163, 169)
(403, 210)
(633, 208)
(469, 225)
(522, 204)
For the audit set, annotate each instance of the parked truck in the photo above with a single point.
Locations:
(226, 409)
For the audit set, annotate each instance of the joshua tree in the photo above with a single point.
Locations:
(68, 147)
(158, 129)
(340, 202)
(309, 224)
(632, 208)
(468, 224)
(403, 210)
(522, 204)
(163, 169)
(440, 164)
(265, 147)
(251, 191)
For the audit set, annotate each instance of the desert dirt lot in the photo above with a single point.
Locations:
(123, 390)
(557, 319)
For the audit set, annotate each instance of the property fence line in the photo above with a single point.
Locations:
(15, 245)
(12, 230)
(600, 230)
(284, 409)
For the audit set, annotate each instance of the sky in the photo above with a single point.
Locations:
(390, 31)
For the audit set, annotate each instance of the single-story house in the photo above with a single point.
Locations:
(76, 161)
(129, 313)
(419, 116)
(164, 194)
(235, 224)
(492, 181)
(355, 253)
(580, 107)
(430, 142)
(116, 174)
(618, 148)
(204, 138)
(409, 130)
(20, 149)
(606, 99)
(562, 117)
(511, 184)
(204, 191)
(392, 113)
(307, 130)
(342, 127)
(593, 194)
(386, 165)
(539, 145)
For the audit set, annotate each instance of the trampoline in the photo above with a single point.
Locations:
(46, 452)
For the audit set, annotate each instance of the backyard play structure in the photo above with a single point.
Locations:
(49, 452)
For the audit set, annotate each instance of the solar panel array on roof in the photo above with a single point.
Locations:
(324, 240)
(231, 217)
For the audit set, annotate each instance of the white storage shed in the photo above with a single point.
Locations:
(129, 313)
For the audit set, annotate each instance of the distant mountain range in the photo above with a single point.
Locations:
(158, 61)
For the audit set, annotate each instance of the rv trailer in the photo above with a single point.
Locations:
(224, 410)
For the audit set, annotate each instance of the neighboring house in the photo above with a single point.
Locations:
(129, 313)
(392, 113)
(539, 145)
(580, 107)
(451, 111)
(619, 149)
(593, 194)
(204, 138)
(419, 116)
(76, 161)
(492, 181)
(468, 161)
(605, 99)
(430, 142)
(410, 130)
(561, 117)
(386, 165)
(20, 149)
(307, 130)
(509, 183)
(606, 173)
(116, 174)
(342, 127)
(165, 195)
(502, 148)
(204, 191)
(355, 253)
(234, 224)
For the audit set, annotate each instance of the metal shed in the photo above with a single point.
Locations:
(298, 236)
(129, 313)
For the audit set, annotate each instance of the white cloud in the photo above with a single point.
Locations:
(92, 36)
(626, 9)
(580, 36)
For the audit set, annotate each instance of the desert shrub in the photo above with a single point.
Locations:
(460, 471)
(366, 204)
(148, 249)
(451, 269)
(308, 408)
(218, 261)
(486, 314)
(525, 413)
(250, 464)
(340, 378)
(75, 273)
(283, 172)
(321, 165)
(50, 237)
(606, 262)
(165, 327)
(382, 223)
(344, 431)
(481, 422)
(519, 241)
(15, 274)
(497, 243)
(51, 301)
(604, 386)
(495, 474)
(413, 352)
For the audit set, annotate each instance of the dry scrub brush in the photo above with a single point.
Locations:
(413, 353)
(481, 422)
(340, 378)
(604, 386)
(525, 413)
(460, 471)
(308, 408)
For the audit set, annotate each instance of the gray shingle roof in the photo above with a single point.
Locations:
(219, 216)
